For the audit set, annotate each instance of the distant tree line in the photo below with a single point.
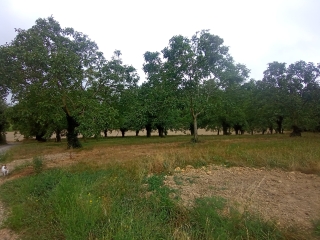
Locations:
(60, 81)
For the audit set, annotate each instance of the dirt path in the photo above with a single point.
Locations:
(292, 199)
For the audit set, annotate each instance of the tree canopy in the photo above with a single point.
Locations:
(59, 80)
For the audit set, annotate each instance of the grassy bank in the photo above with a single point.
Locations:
(115, 189)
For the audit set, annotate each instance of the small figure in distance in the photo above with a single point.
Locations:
(4, 170)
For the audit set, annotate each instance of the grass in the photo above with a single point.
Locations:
(316, 225)
(37, 163)
(116, 190)
(272, 151)
(3, 157)
(114, 204)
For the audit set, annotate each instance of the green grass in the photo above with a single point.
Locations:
(209, 222)
(317, 227)
(3, 157)
(37, 163)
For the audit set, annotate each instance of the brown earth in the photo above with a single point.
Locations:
(291, 199)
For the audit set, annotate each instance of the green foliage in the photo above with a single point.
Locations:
(290, 95)
(64, 76)
(200, 66)
(59, 80)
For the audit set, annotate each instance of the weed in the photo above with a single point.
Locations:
(178, 180)
(211, 219)
(37, 164)
(317, 227)
(3, 157)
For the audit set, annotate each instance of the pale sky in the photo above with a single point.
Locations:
(257, 31)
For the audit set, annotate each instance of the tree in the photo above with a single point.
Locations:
(303, 84)
(160, 96)
(65, 65)
(290, 95)
(3, 122)
(123, 80)
(276, 90)
(199, 65)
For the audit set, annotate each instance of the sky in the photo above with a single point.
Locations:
(257, 32)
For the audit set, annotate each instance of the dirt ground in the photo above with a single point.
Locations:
(291, 199)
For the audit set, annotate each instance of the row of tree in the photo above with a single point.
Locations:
(60, 81)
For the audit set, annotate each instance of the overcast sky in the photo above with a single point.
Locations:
(257, 31)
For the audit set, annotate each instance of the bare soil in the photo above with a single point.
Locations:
(291, 199)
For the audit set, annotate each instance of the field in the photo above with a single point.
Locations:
(225, 187)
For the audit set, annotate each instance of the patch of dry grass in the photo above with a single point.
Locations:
(164, 154)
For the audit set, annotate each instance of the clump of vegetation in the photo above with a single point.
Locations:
(3, 157)
(37, 164)
(317, 227)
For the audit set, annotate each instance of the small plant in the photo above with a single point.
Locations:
(37, 163)
(3, 157)
(317, 227)
(178, 180)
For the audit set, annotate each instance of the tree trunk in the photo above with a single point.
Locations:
(225, 129)
(105, 132)
(149, 129)
(137, 133)
(271, 130)
(72, 135)
(160, 131)
(195, 129)
(39, 137)
(58, 135)
(191, 128)
(237, 128)
(3, 138)
(296, 131)
(279, 123)
(123, 131)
